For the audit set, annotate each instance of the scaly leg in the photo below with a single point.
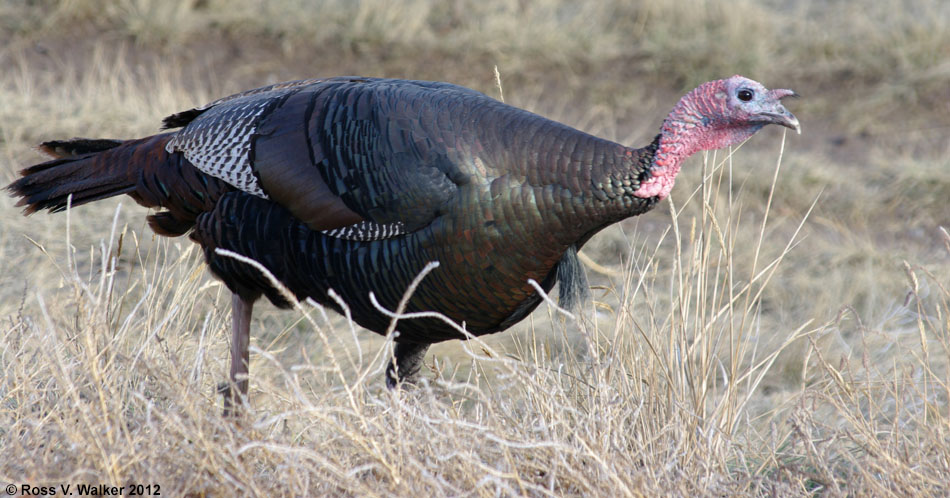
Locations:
(240, 340)
(406, 363)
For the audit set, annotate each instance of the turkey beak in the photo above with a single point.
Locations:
(778, 114)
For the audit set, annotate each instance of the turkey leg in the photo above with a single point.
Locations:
(407, 360)
(240, 340)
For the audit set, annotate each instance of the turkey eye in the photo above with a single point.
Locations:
(745, 95)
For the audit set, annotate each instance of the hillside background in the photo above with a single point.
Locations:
(780, 325)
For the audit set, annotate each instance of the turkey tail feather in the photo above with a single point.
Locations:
(94, 169)
(77, 146)
(48, 185)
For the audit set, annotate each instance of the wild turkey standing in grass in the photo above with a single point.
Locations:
(355, 184)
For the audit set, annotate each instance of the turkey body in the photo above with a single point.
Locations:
(353, 185)
(435, 172)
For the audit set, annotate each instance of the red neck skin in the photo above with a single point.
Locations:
(695, 124)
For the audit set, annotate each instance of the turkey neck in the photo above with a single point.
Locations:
(569, 184)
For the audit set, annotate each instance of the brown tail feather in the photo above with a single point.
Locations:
(94, 169)
(48, 185)
(76, 147)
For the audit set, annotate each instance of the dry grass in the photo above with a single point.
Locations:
(781, 326)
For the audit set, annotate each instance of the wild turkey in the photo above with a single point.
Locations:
(355, 184)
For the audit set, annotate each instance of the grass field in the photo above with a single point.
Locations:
(779, 326)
